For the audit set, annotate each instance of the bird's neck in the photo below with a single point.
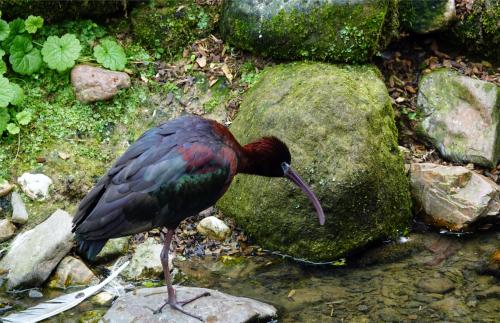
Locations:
(256, 159)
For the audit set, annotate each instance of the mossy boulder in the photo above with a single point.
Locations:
(460, 117)
(339, 125)
(58, 10)
(332, 30)
(169, 25)
(478, 28)
(424, 16)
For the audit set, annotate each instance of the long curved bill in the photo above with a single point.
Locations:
(292, 175)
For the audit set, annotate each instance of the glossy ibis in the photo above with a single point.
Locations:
(172, 172)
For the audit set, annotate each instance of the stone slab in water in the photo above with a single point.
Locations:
(138, 306)
(461, 116)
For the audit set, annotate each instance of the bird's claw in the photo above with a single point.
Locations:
(178, 305)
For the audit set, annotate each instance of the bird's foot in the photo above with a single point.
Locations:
(178, 305)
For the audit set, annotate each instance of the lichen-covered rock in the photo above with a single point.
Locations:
(338, 123)
(424, 16)
(113, 248)
(334, 30)
(461, 116)
(71, 271)
(35, 253)
(57, 10)
(171, 25)
(94, 83)
(453, 196)
(478, 27)
(136, 306)
(145, 262)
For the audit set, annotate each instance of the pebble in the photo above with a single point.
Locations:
(7, 230)
(35, 293)
(436, 285)
(19, 213)
(214, 228)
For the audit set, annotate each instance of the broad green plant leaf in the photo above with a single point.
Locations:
(16, 27)
(110, 55)
(23, 117)
(61, 53)
(18, 94)
(23, 57)
(4, 29)
(4, 119)
(2, 53)
(6, 94)
(13, 129)
(33, 23)
(3, 67)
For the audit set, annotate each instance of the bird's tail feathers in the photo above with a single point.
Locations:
(89, 248)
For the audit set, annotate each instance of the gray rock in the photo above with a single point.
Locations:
(103, 299)
(339, 126)
(70, 272)
(214, 228)
(5, 187)
(19, 213)
(461, 116)
(440, 285)
(114, 248)
(335, 30)
(35, 253)
(34, 293)
(218, 307)
(453, 196)
(145, 262)
(7, 230)
(94, 83)
(36, 186)
(425, 16)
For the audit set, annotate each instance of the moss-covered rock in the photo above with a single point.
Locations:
(57, 10)
(478, 28)
(169, 25)
(338, 123)
(334, 30)
(461, 117)
(423, 16)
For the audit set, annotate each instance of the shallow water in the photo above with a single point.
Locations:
(429, 278)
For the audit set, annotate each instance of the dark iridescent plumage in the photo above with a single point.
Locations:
(171, 172)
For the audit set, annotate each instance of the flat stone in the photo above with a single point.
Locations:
(19, 212)
(214, 228)
(440, 285)
(34, 254)
(461, 116)
(7, 230)
(145, 262)
(138, 306)
(36, 186)
(94, 83)
(453, 196)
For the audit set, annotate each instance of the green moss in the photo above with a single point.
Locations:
(328, 31)
(478, 30)
(423, 16)
(168, 26)
(338, 123)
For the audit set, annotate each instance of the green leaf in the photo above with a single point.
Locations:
(110, 55)
(23, 57)
(16, 27)
(33, 23)
(13, 129)
(6, 94)
(3, 67)
(4, 29)
(61, 53)
(4, 119)
(18, 94)
(2, 53)
(23, 117)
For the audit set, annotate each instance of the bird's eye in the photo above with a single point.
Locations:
(285, 167)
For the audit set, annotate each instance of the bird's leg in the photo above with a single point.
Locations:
(172, 299)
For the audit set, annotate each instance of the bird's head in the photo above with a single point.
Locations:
(271, 157)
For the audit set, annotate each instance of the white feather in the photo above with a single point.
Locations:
(60, 304)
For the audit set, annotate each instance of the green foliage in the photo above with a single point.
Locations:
(23, 117)
(16, 27)
(61, 53)
(33, 23)
(4, 29)
(23, 57)
(110, 55)
(13, 129)
(4, 119)
(6, 94)
(17, 94)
